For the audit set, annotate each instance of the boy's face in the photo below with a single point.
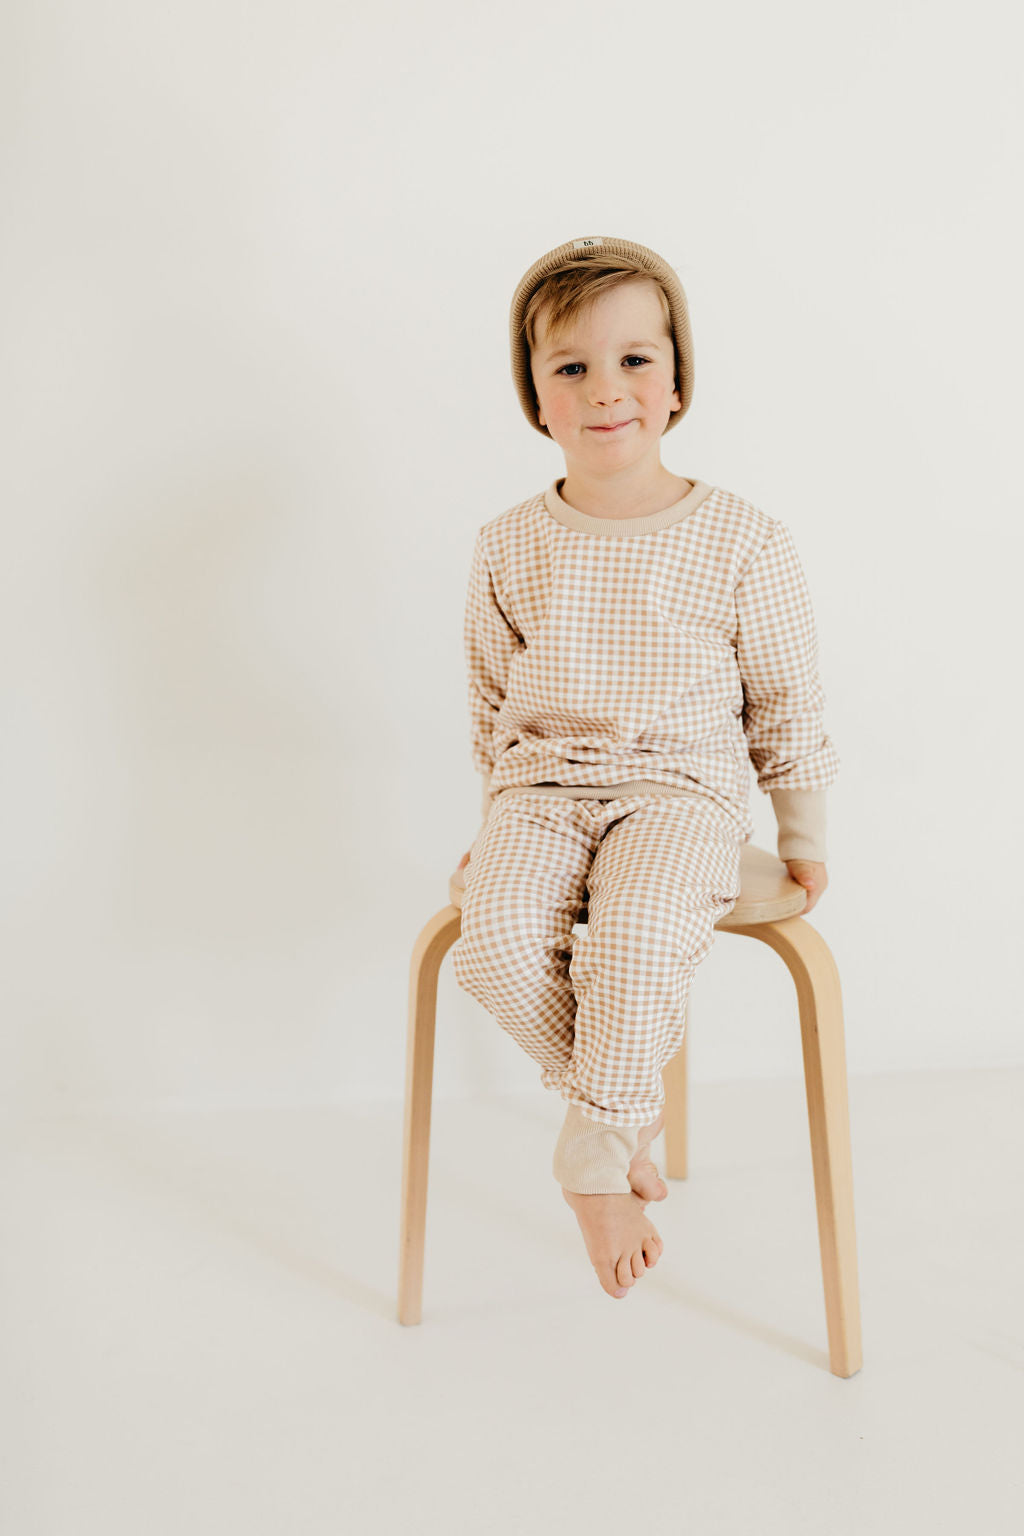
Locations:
(615, 366)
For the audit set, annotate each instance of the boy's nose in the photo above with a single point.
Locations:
(605, 391)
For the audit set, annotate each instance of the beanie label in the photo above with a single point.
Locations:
(578, 245)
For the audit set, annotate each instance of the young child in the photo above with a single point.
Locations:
(634, 641)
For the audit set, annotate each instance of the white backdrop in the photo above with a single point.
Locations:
(255, 275)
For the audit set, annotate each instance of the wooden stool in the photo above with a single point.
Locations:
(768, 909)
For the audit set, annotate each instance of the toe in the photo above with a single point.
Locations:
(651, 1251)
(638, 1264)
(624, 1271)
(611, 1281)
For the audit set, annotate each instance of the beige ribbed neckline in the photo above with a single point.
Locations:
(624, 527)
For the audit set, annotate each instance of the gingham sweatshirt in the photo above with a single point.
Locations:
(658, 655)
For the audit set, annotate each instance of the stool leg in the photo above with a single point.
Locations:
(813, 968)
(673, 1075)
(430, 949)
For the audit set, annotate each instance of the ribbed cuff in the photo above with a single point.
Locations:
(800, 814)
(592, 1158)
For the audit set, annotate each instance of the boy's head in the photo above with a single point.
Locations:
(568, 287)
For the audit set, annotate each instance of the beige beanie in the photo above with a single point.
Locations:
(573, 250)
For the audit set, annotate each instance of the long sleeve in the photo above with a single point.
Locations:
(783, 711)
(490, 641)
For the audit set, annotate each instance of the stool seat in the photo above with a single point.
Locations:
(767, 892)
(769, 909)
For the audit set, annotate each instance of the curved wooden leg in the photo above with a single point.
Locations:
(673, 1075)
(430, 949)
(811, 964)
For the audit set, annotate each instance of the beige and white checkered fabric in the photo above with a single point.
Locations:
(601, 1011)
(623, 677)
(663, 654)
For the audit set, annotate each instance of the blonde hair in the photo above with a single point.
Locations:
(572, 289)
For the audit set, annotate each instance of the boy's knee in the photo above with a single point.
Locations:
(642, 930)
(487, 935)
(498, 938)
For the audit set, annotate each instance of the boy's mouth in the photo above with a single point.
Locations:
(615, 427)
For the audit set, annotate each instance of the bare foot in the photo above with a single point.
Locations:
(644, 1177)
(621, 1241)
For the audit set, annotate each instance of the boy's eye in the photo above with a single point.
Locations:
(632, 358)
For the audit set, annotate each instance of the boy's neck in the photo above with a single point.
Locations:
(642, 497)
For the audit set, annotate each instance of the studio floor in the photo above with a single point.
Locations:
(200, 1333)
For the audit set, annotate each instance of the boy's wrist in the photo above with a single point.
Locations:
(800, 814)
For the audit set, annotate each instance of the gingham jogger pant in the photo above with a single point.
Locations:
(602, 1011)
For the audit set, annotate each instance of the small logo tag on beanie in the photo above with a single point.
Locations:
(579, 245)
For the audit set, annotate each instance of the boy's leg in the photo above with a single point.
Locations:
(666, 870)
(524, 888)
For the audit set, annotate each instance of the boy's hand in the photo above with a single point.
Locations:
(812, 876)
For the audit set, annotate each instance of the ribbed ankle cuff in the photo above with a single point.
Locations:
(592, 1158)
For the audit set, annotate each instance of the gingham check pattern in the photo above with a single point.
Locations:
(600, 1012)
(602, 657)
